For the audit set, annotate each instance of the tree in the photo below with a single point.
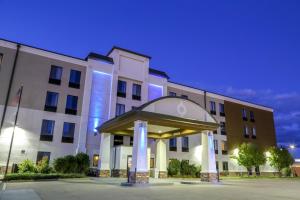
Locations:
(280, 158)
(249, 155)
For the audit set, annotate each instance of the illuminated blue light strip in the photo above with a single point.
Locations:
(155, 91)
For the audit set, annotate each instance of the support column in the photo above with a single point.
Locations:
(208, 172)
(104, 161)
(161, 158)
(139, 170)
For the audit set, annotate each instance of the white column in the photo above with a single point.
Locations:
(161, 158)
(208, 171)
(105, 148)
(139, 169)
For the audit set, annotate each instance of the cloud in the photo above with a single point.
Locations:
(291, 127)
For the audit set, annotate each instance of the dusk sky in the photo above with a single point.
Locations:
(245, 49)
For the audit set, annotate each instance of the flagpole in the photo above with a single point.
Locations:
(13, 133)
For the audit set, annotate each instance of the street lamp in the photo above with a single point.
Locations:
(292, 146)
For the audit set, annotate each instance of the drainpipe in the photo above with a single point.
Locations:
(10, 86)
(205, 99)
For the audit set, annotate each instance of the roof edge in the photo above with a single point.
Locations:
(127, 50)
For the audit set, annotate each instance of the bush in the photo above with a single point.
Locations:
(287, 171)
(72, 164)
(27, 166)
(43, 166)
(174, 167)
(39, 176)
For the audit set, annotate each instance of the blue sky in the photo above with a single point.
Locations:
(245, 49)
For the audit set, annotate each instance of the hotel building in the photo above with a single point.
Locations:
(121, 112)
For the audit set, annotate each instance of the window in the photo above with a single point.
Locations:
(185, 144)
(215, 132)
(222, 109)
(71, 105)
(225, 166)
(68, 133)
(152, 163)
(224, 147)
(173, 144)
(252, 116)
(244, 114)
(120, 109)
(217, 165)
(74, 81)
(212, 107)
(51, 101)
(121, 89)
(216, 146)
(95, 160)
(136, 91)
(131, 141)
(223, 128)
(253, 132)
(55, 75)
(42, 155)
(118, 140)
(172, 94)
(1, 58)
(257, 170)
(47, 130)
(246, 132)
(134, 108)
(184, 96)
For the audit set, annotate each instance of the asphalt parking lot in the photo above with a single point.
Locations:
(262, 189)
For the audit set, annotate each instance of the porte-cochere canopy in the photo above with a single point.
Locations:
(167, 117)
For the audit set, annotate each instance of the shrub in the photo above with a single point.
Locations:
(174, 167)
(83, 163)
(286, 172)
(72, 164)
(27, 166)
(189, 170)
(43, 166)
(39, 176)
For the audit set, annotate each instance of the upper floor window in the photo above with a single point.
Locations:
(246, 132)
(185, 144)
(74, 81)
(253, 132)
(42, 155)
(68, 132)
(172, 94)
(55, 75)
(224, 147)
(136, 91)
(51, 101)
(71, 105)
(216, 146)
(244, 114)
(173, 144)
(222, 109)
(223, 128)
(213, 107)
(252, 116)
(118, 140)
(121, 89)
(47, 130)
(184, 96)
(1, 58)
(120, 109)
(225, 166)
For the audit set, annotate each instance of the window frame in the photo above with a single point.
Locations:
(54, 80)
(47, 137)
(172, 94)
(119, 141)
(185, 148)
(44, 153)
(68, 139)
(212, 105)
(136, 91)
(120, 105)
(119, 92)
(72, 84)
(69, 110)
(222, 109)
(173, 147)
(51, 108)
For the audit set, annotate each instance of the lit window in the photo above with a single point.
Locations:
(253, 132)
(47, 130)
(222, 109)
(55, 75)
(244, 114)
(121, 89)
(136, 91)
(185, 144)
(71, 105)
(246, 132)
(95, 160)
(42, 155)
(224, 147)
(120, 109)
(173, 144)
(68, 132)
(51, 101)
(172, 94)
(74, 81)
(152, 163)
(213, 107)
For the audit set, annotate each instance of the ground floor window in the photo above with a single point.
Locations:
(152, 163)
(173, 144)
(225, 166)
(42, 155)
(217, 165)
(185, 144)
(95, 160)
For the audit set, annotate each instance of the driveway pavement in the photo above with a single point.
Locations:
(96, 188)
